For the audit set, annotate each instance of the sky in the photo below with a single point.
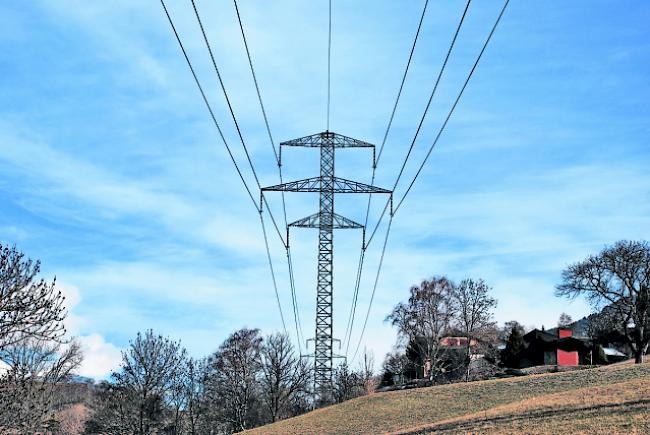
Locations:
(112, 174)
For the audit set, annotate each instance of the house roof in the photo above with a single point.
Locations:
(549, 341)
(573, 343)
(579, 328)
(537, 334)
(610, 351)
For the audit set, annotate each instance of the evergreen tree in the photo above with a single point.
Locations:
(514, 348)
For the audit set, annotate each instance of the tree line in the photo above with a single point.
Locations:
(615, 281)
(37, 356)
(248, 381)
(436, 310)
(252, 379)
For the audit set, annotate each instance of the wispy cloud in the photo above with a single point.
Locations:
(113, 175)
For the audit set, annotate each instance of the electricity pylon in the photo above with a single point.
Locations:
(326, 220)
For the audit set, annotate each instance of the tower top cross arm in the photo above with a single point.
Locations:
(328, 139)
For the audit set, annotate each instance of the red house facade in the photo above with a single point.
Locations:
(560, 348)
(566, 358)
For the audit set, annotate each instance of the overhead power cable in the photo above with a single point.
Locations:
(234, 119)
(355, 297)
(374, 171)
(230, 154)
(453, 107)
(329, 64)
(275, 284)
(424, 114)
(208, 106)
(374, 289)
(503, 9)
(225, 93)
(401, 86)
(296, 310)
(294, 299)
(433, 92)
(257, 87)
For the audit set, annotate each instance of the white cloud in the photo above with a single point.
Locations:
(100, 357)
(501, 218)
(73, 322)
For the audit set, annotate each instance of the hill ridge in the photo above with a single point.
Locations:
(408, 410)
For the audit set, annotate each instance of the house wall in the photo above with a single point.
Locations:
(550, 358)
(567, 358)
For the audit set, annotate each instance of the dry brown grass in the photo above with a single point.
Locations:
(615, 395)
(624, 407)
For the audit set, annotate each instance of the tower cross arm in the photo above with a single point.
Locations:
(338, 222)
(339, 185)
(342, 185)
(307, 185)
(327, 138)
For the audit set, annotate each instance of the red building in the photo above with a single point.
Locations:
(566, 358)
(562, 349)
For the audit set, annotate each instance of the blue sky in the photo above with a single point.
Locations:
(112, 174)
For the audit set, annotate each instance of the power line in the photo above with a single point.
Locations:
(426, 109)
(234, 118)
(257, 88)
(275, 285)
(207, 105)
(329, 64)
(381, 217)
(225, 93)
(264, 203)
(505, 5)
(453, 107)
(374, 170)
(374, 289)
(353, 307)
(232, 158)
(294, 299)
(401, 86)
(433, 92)
(442, 69)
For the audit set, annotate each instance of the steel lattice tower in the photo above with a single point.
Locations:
(326, 220)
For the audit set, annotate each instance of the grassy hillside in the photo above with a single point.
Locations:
(614, 399)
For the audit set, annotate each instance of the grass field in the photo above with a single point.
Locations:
(607, 400)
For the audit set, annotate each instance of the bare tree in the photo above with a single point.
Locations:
(603, 326)
(195, 403)
(425, 319)
(72, 420)
(284, 376)
(346, 383)
(112, 410)
(149, 367)
(177, 397)
(619, 277)
(504, 332)
(474, 307)
(30, 308)
(396, 363)
(232, 380)
(36, 369)
(368, 371)
(564, 321)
